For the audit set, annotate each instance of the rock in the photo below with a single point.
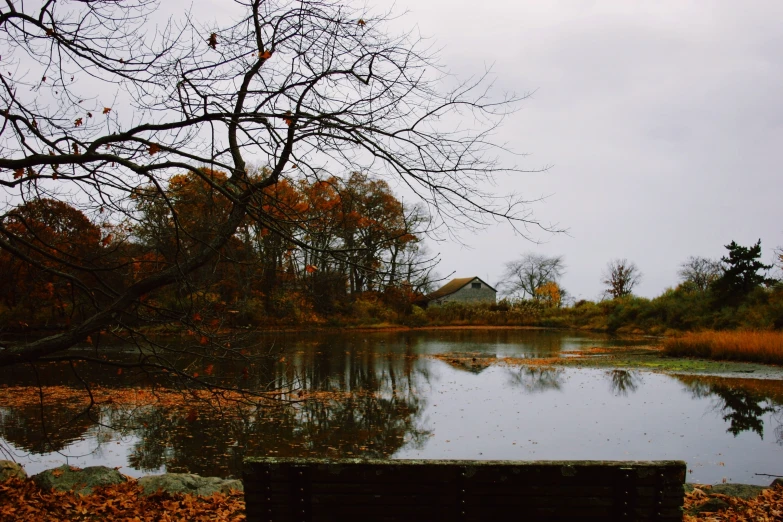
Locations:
(10, 469)
(710, 506)
(188, 483)
(743, 491)
(66, 478)
(776, 482)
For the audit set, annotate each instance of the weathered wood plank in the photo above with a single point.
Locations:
(317, 490)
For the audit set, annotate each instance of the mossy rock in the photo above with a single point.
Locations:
(744, 491)
(67, 478)
(711, 505)
(188, 483)
(10, 469)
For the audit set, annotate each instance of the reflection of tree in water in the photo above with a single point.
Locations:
(778, 416)
(365, 404)
(624, 382)
(742, 402)
(369, 409)
(46, 430)
(536, 379)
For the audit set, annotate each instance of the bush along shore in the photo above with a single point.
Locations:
(101, 493)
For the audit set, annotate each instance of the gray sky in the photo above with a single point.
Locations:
(660, 121)
(663, 122)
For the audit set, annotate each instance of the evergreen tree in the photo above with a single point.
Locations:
(741, 272)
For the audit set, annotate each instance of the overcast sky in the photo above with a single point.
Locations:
(663, 123)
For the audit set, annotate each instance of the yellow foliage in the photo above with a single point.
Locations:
(549, 294)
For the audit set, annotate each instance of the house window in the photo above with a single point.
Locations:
(475, 285)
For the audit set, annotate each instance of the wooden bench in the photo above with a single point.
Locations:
(348, 490)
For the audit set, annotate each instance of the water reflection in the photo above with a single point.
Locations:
(742, 403)
(46, 429)
(350, 401)
(624, 382)
(411, 395)
(533, 379)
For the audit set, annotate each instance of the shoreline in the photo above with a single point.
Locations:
(648, 357)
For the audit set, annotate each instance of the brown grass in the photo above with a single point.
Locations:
(753, 346)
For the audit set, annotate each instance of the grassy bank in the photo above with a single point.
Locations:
(755, 346)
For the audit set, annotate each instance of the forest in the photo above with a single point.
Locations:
(362, 243)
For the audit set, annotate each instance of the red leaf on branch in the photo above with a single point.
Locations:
(154, 149)
(213, 40)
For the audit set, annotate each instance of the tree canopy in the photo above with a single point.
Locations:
(534, 276)
(620, 277)
(741, 271)
(187, 147)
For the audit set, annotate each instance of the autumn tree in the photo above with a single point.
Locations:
(525, 276)
(49, 244)
(97, 114)
(549, 294)
(620, 277)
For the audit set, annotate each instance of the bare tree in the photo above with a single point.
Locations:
(701, 272)
(620, 277)
(522, 277)
(101, 109)
(778, 264)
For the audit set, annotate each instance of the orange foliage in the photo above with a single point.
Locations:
(549, 294)
(766, 507)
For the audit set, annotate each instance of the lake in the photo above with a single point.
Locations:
(440, 394)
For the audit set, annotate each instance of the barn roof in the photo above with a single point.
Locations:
(452, 286)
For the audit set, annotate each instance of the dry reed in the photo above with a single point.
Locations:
(743, 345)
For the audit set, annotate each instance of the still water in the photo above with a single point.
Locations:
(445, 394)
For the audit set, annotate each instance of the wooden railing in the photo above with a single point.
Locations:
(354, 490)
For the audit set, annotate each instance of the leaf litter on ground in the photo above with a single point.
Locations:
(24, 501)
